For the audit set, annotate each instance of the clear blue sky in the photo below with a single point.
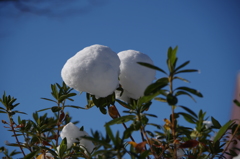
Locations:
(35, 47)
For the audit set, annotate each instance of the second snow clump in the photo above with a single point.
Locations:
(95, 70)
(71, 132)
(134, 78)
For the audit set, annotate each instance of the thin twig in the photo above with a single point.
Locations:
(11, 124)
(124, 124)
(231, 138)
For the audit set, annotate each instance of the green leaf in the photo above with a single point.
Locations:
(184, 93)
(186, 71)
(180, 78)
(49, 150)
(56, 109)
(103, 110)
(152, 67)
(182, 65)
(151, 115)
(73, 106)
(63, 147)
(145, 154)
(66, 96)
(54, 91)
(32, 154)
(49, 100)
(2, 111)
(171, 99)
(172, 54)
(124, 104)
(148, 98)
(12, 144)
(121, 120)
(216, 124)
(128, 132)
(102, 102)
(43, 109)
(14, 152)
(188, 117)
(156, 86)
(190, 90)
(110, 134)
(172, 58)
(236, 102)
(16, 111)
(222, 131)
(189, 111)
(95, 140)
(156, 125)
(160, 99)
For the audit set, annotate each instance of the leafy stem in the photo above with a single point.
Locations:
(14, 133)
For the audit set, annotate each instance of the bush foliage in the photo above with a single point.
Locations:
(45, 137)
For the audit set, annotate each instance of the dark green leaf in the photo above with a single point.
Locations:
(121, 120)
(145, 154)
(2, 111)
(160, 99)
(16, 111)
(66, 96)
(54, 91)
(181, 66)
(49, 100)
(172, 54)
(110, 134)
(103, 110)
(73, 106)
(152, 67)
(184, 93)
(156, 125)
(180, 78)
(171, 99)
(14, 152)
(156, 86)
(56, 109)
(49, 150)
(147, 98)
(62, 147)
(236, 102)
(216, 124)
(43, 109)
(186, 71)
(151, 115)
(12, 144)
(222, 131)
(189, 110)
(95, 140)
(32, 154)
(124, 104)
(188, 117)
(190, 90)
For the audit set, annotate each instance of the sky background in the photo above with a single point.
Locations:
(34, 46)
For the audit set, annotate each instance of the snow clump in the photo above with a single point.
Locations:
(134, 78)
(47, 156)
(95, 70)
(71, 132)
(208, 124)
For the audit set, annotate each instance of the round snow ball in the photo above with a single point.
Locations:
(95, 70)
(134, 78)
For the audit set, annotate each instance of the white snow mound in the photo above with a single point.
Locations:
(95, 70)
(134, 78)
(71, 132)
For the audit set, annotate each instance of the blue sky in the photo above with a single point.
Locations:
(34, 48)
